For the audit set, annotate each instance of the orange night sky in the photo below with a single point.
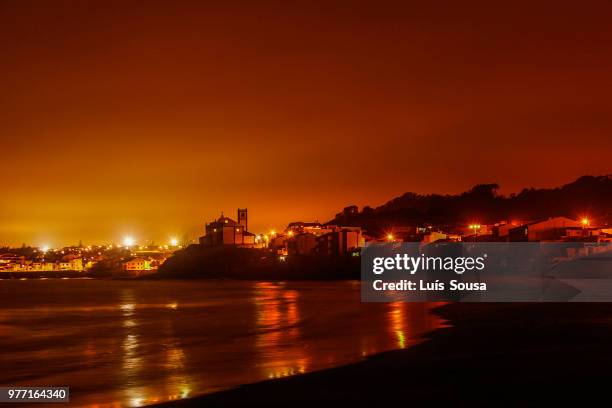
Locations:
(149, 118)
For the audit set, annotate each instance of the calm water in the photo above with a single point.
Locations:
(128, 343)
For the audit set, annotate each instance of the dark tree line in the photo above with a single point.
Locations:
(587, 196)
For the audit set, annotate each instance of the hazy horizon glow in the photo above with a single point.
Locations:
(148, 119)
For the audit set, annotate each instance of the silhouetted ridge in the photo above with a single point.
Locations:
(590, 195)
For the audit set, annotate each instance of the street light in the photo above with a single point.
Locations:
(475, 230)
(174, 242)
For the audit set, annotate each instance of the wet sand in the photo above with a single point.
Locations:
(493, 354)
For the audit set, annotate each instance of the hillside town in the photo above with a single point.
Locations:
(298, 238)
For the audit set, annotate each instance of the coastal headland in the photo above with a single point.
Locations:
(255, 264)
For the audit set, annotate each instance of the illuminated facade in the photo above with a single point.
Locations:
(341, 241)
(226, 231)
(137, 264)
(306, 238)
(551, 229)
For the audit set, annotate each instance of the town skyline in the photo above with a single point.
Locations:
(133, 237)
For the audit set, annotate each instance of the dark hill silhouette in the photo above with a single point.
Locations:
(231, 262)
(588, 195)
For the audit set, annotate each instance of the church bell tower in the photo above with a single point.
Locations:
(243, 218)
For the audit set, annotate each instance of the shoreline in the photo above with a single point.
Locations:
(503, 354)
(45, 275)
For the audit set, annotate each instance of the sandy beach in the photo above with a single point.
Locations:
(493, 354)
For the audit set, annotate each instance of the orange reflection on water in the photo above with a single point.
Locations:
(277, 321)
(397, 316)
(131, 360)
(408, 322)
(178, 384)
(142, 343)
(138, 392)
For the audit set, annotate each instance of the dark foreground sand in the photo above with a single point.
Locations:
(495, 354)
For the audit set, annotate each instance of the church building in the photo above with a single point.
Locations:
(226, 231)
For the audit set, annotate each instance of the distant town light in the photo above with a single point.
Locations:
(390, 237)
(128, 241)
(45, 248)
(173, 241)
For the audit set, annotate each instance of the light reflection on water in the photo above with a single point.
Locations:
(397, 325)
(128, 343)
(278, 331)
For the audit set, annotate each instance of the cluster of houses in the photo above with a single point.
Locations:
(78, 259)
(144, 263)
(308, 238)
(10, 262)
(13, 263)
(298, 238)
(553, 229)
